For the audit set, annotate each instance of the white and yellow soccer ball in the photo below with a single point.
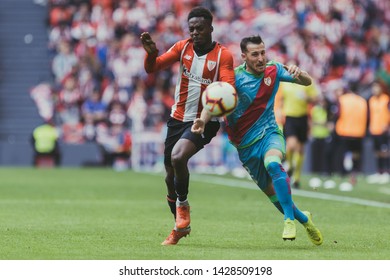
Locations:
(219, 99)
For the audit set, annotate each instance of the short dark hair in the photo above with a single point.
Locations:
(200, 11)
(255, 39)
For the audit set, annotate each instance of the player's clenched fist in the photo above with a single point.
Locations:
(198, 126)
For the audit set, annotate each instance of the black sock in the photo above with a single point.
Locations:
(181, 187)
(172, 204)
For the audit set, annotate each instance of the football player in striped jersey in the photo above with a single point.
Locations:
(202, 61)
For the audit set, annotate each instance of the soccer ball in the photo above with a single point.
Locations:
(219, 99)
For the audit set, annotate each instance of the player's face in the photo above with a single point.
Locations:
(255, 58)
(200, 32)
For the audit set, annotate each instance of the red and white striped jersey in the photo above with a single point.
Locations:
(196, 72)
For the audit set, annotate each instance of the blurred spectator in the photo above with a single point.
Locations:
(104, 33)
(383, 74)
(112, 93)
(93, 111)
(320, 132)
(87, 77)
(278, 109)
(68, 104)
(127, 65)
(59, 12)
(351, 127)
(137, 111)
(82, 28)
(115, 142)
(45, 144)
(72, 133)
(296, 100)
(59, 33)
(333, 157)
(64, 61)
(93, 108)
(121, 19)
(379, 120)
(121, 68)
(117, 114)
(43, 98)
(82, 13)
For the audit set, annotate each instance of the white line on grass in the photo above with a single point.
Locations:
(324, 196)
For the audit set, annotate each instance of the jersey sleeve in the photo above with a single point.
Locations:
(226, 70)
(283, 74)
(155, 63)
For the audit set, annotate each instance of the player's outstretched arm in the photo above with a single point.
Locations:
(302, 77)
(148, 43)
(153, 62)
(200, 123)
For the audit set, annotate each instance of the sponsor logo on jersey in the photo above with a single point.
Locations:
(194, 77)
(249, 86)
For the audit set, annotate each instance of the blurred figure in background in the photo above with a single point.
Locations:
(116, 143)
(45, 144)
(351, 126)
(278, 109)
(93, 111)
(295, 103)
(379, 118)
(63, 61)
(320, 132)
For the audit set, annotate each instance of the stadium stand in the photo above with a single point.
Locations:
(336, 41)
(24, 63)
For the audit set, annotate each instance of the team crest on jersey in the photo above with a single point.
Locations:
(188, 57)
(267, 81)
(211, 65)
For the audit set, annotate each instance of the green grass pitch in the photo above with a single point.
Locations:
(100, 214)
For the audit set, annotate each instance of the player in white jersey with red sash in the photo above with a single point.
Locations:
(202, 62)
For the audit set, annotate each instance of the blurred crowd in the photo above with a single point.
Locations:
(100, 90)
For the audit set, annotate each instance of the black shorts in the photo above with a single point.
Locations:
(352, 144)
(182, 130)
(297, 127)
(381, 143)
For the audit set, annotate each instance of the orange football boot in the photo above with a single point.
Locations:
(182, 216)
(175, 236)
